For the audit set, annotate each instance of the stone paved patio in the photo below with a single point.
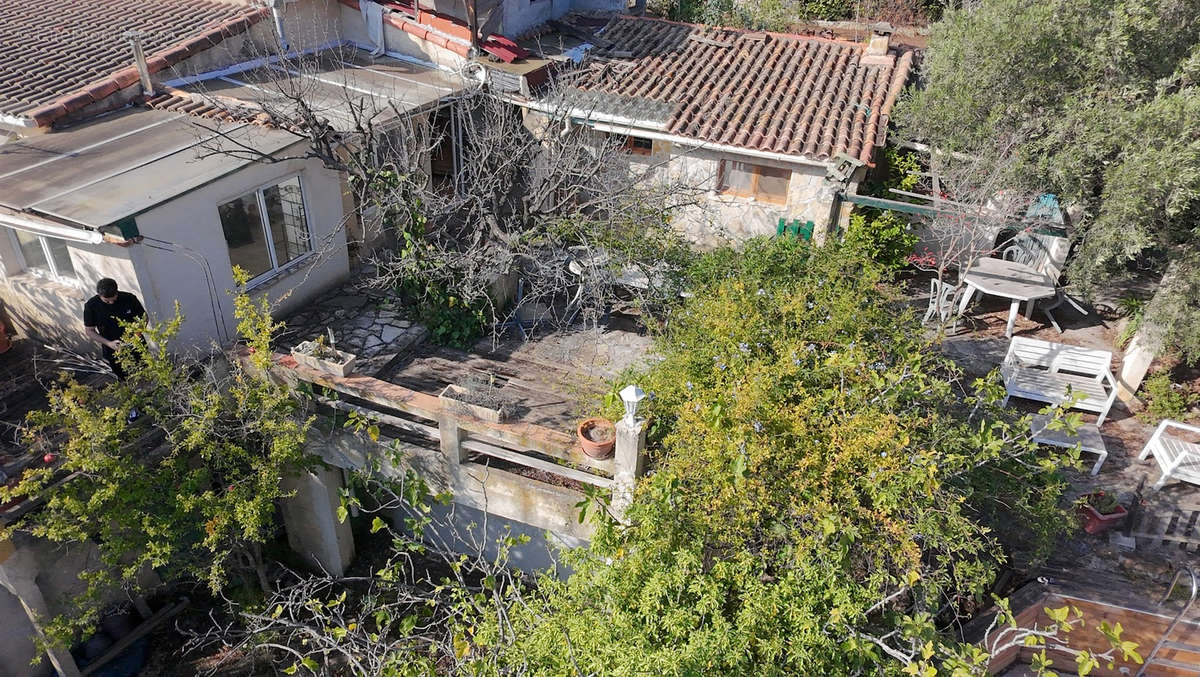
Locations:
(365, 322)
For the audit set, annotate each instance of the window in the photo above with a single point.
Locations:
(267, 229)
(46, 255)
(756, 181)
(638, 146)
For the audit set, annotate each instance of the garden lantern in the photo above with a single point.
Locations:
(631, 395)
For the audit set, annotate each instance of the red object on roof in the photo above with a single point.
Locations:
(779, 93)
(60, 57)
(455, 34)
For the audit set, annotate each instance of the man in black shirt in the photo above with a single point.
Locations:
(102, 318)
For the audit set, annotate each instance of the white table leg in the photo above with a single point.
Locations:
(966, 299)
(1012, 317)
(1029, 309)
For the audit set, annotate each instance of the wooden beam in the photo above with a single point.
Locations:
(515, 434)
(138, 633)
(535, 463)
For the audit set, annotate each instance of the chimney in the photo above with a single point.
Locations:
(639, 7)
(876, 52)
(880, 36)
(139, 58)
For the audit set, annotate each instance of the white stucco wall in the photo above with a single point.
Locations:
(191, 225)
(396, 40)
(52, 310)
(521, 15)
(310, 23)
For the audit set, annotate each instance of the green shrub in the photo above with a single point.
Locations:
(1165, 400)
(450, 321)
(811, 456)
(884, 235)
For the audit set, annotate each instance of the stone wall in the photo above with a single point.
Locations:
(722, 218)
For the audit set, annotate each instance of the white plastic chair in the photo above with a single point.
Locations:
(943, 299)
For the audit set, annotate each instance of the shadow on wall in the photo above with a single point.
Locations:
(466, 530)
(16, 640)
(48, 310)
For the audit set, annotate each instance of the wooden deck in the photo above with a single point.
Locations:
(555, 396)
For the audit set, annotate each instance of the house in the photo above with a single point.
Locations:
(120, 165)
(775, 125)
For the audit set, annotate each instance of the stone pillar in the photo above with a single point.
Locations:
(1138, 355)
(18, 575)
(310, 517)
(452, 449)
(629, 463)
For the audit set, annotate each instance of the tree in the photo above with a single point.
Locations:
(189, 491)
(1094, 100)
(532, 192)
(827, 495)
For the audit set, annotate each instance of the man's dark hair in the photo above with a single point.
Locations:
(107, 287)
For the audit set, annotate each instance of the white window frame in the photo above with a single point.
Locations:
(51, 271)
(268, 238)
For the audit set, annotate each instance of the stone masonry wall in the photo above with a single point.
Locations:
(724, 219)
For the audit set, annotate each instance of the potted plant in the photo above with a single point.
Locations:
(479, 399)
(597, 437)
(319, 355)
(1099, 511)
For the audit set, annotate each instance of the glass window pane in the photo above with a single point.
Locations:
(244, 235)
(31, 250)
(285, 213)
(738, 177)
(773, 183)
(62, 257)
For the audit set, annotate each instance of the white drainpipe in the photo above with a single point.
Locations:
(277, 15)
(40, 227)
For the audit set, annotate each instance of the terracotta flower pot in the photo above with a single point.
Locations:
(597, 437)
(1096, 523)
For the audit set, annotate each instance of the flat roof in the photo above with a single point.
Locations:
(332, 81)
(119, 165)
(125, 163)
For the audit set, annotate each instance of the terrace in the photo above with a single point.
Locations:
(528, 466)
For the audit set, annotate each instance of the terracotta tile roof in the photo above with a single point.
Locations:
(59, 57)
(208, 106)
(788, 94)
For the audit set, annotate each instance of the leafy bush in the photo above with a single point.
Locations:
(1133, 310)
(783, 15)
(818, 476)
(885, 235)
(450, 321)
(1167, 400)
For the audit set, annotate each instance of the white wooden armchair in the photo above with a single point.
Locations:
(1178, 458)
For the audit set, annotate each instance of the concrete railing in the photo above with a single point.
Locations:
(452, 455)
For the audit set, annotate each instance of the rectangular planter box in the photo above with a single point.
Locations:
(340, 368)
(449, 398)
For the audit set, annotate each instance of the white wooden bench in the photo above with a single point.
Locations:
(1087, 438)
(1055, 372)
(1177, 457)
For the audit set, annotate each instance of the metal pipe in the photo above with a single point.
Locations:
(277, 15)
(16, 121)
(139, 58)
